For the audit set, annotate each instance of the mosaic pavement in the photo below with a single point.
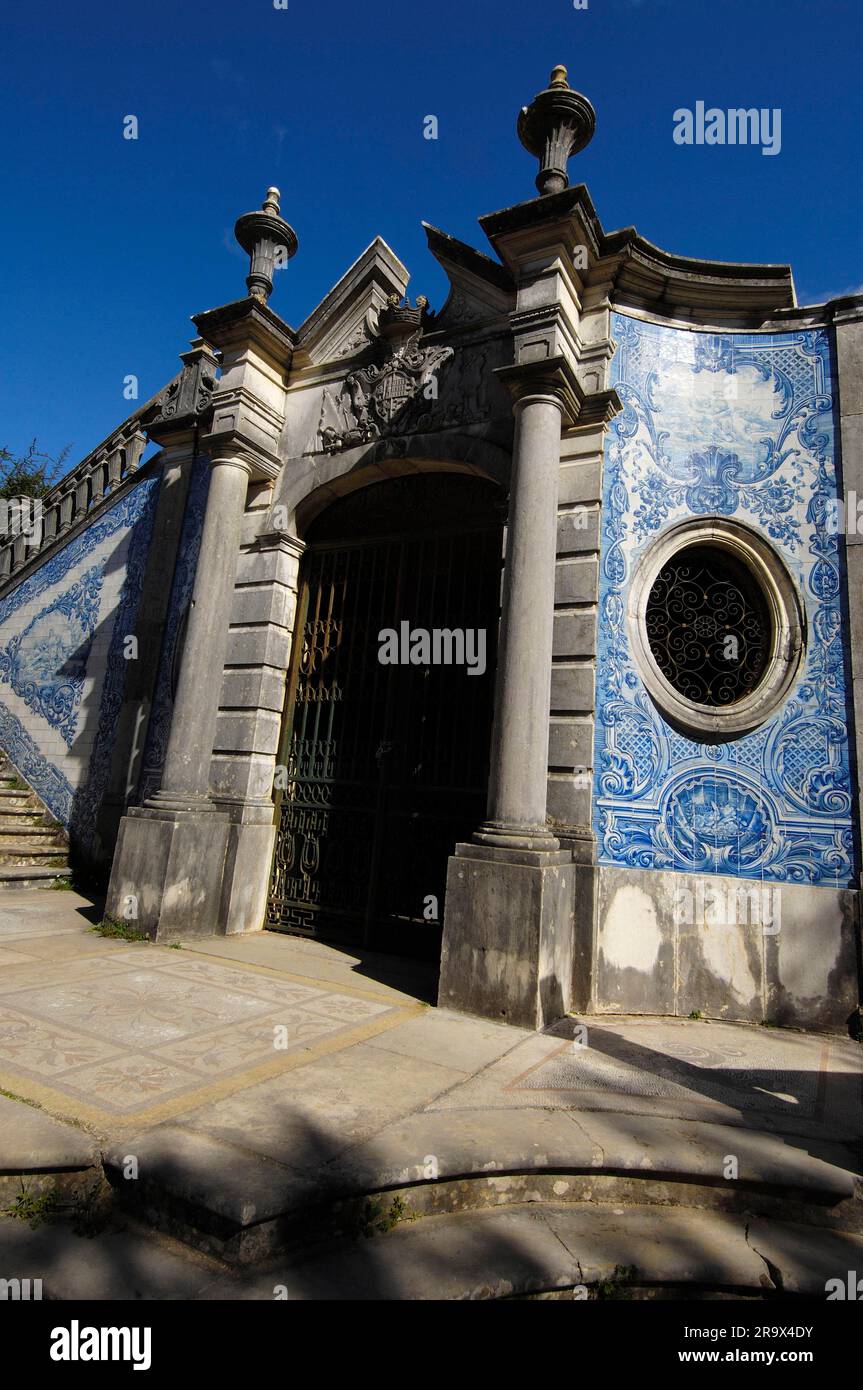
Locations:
(122, 1029)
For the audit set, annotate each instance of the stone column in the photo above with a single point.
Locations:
(519, 758)
(508, 928)
(167, 875)
(185, 779)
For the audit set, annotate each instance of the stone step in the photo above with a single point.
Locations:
(243, 1207)
(39, 1154)
(118, 1261)
(31, 875)
(563, 1251)
(22, 843)
(556, 1251)
(13, 833)
(24, 855)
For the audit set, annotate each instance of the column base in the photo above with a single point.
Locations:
(167, 876)
(511, 835)
(508, 934)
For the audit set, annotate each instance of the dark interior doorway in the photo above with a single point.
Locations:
(386, 765)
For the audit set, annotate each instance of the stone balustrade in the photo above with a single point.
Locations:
(81, 492)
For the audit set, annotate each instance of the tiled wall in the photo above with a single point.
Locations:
(742, 426)
(62, 658)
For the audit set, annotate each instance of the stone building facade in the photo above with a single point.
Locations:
(523, 632)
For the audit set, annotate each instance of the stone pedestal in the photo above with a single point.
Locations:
(511, 959)
(167, 875)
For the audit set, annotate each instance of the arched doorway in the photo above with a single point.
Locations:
(387, 726)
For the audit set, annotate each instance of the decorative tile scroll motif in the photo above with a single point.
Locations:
(46, 663)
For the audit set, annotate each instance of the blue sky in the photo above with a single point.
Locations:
(110, 245)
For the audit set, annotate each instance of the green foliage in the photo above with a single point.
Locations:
(696, 1014)
(31, 474)
(110, 927)
(89, 1212)
(374, 1220)
(92, 1211)
(34, 1208)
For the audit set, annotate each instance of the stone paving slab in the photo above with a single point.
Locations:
(792, 1082)
(805, 1263)
(31, 1141)
(169, 1054)
(485, 1255)
(127, 1264)
(326, 1106)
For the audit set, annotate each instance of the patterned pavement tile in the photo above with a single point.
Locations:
(115, 1035)
(141, 1008)
(345, 1007)
(127, 1083)
(46, 1049)
(216, 1054)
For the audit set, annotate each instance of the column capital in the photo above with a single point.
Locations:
(554, 378)
(549, 378)
(229, 457)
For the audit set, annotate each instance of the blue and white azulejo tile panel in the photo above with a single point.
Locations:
(62, 665)
(726, 425)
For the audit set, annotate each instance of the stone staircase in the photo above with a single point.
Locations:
(505, 1204)
(34, 848)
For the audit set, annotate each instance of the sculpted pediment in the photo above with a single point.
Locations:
(346, 319)
(410, 380)
(481, 290)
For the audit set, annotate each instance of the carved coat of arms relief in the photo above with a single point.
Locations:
(375, 399)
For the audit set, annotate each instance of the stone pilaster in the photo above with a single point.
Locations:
(251, 709)
(171, 851)
(181, 857)
(180, 415)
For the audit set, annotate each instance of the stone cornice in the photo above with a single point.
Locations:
(538, 213)
(246, 320)
(637, 272)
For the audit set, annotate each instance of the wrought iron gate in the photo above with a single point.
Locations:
(386, 765)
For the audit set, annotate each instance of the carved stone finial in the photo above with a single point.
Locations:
(399, 321)
(269, 241)
(558, 123)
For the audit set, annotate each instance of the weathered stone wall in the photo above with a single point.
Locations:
(725, 947)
